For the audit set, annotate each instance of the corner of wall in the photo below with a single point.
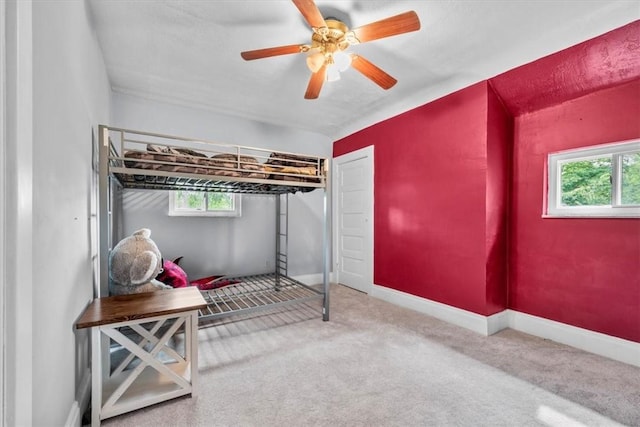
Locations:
(73, 419)
(499, 128)
(81, 404)
(497, 322)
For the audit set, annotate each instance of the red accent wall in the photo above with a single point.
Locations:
(499, 151)
(583, 272)
(605, 61)
(434, 236)
(459, 192)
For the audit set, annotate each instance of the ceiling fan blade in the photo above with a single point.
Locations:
(399, 24)
(272, 51)
(372, 72)
(311, 13)
(315, 83)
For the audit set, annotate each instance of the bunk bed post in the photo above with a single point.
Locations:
(326, 249)
(102, 287)
(284, 253)
(276, 264)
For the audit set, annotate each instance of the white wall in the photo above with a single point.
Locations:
(71, 96)
(224, 245)
(17, 183)
(3, 250)
(210, 246)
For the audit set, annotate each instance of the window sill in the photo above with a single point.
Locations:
(206, 214)
(592, 216)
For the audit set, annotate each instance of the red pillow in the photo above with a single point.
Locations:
(173, 275)
(212, 282)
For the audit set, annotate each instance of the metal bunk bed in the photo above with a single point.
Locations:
(129, 159)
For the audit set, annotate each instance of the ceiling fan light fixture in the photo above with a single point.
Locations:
(342, 60)
(315, 61)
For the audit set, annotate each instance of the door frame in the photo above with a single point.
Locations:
(363, 153)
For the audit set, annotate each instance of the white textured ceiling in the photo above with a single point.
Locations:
(188, 52)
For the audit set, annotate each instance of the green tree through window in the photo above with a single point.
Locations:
(219, 201)
(631, 179)
(587, 183)
(595, 181)
(200, 203)
(189, 200)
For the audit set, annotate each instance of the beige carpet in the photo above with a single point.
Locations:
(376, 364)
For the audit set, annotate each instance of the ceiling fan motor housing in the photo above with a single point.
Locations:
(330, 38)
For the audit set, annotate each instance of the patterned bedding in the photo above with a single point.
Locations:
(185, 160)
(283, 167)
(291, 167)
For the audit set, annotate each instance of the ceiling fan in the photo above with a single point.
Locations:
(330, 38)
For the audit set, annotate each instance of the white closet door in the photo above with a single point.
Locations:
(353, 215)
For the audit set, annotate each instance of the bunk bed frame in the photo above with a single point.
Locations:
(129, 159)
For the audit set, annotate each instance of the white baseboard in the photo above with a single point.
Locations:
(311, 279)
(497, 322)
(456, 316)
(594, 342)
(84, 391)
(584, 339)
(74, 419)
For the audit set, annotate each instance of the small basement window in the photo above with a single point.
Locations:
(200, 203)
(598, 181)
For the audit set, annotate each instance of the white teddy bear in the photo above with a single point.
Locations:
(134, 264)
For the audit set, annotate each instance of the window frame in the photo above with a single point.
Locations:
(554, 184)
(235, 213)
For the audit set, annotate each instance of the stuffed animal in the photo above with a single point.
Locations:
(134, 264)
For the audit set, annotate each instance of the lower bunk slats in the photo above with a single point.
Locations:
(253, 293)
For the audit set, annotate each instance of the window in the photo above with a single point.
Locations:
(600, 181)
(200, 203)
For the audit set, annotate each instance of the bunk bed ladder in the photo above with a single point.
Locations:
(282, 237)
